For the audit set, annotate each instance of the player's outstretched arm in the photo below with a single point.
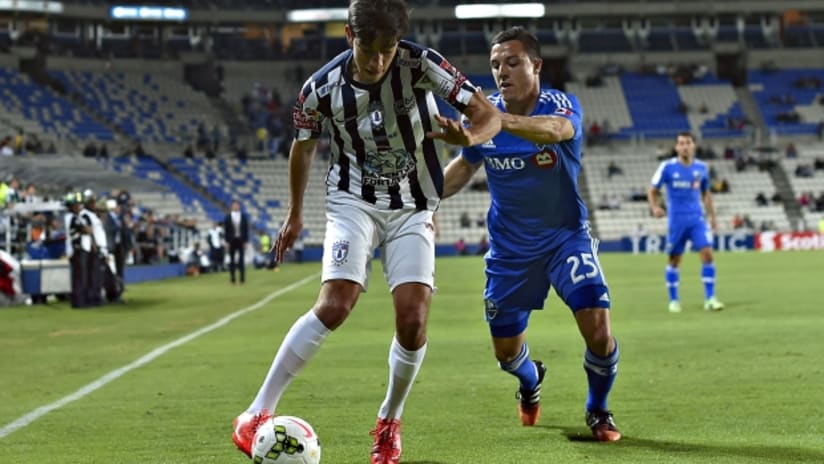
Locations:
(484, 123)
(538, 129)
(300, 162)
(456, 175)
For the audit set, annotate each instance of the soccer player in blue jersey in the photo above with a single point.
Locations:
(384, 181)
(538, 233)
(687, 183)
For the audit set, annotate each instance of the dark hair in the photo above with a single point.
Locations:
(370, 18)
(685, 134)
(528, 39)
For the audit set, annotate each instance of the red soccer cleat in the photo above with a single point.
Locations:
(245, 426)
(602, 426)
(529, 406)
(387, 446)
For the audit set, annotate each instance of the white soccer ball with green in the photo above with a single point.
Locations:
(286, 440)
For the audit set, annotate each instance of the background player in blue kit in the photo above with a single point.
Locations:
(688, 186)
(538, 232)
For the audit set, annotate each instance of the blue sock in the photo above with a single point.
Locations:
(672, 282)
(523, 368)
(708, 276)
(601, 374)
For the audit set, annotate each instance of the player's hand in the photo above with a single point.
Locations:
(658, 211)
(452, 132)
(288, 234)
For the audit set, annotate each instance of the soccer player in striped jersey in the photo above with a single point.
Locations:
(538, 233)
(687, 183)
(377, 101)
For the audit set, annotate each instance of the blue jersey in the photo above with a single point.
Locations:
(685, 186)
(534, 187)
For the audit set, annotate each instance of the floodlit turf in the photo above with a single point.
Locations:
(740, 386)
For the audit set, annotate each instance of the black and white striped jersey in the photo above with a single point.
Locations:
(379, 149)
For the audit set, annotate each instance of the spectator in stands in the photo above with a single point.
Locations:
(804, 200)
(613, 169)
(90, 151)
(804, 170)
(19, 145)
(819, 202)
(720, 186)
(9, 192)
(777, 197)
(637, 194)
(103, 153)
(5, 147)
(33, 145)
(139, 151)
(460, 247)
(791, 152)
(189, 152)
(818, 163)
(465, 221)
(29, 194)
(236, 228)
(217, 136)
(761, 199)
(480, 220)
(147, 242)
(594, 133)
(737, 221)
(820, 129)
(483, 245)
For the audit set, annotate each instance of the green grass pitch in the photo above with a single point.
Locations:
(745, 385)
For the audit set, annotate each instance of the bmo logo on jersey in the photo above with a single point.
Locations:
(545, 159)
(505, 163)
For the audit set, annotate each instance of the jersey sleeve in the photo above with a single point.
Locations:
(705, 179)
(306, 118)
(472, 154)
(446, 81)
(567, 106)
(658, 177)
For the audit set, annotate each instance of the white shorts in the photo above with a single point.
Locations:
(354, 230)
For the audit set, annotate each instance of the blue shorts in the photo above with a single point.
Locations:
(696, 232)
(515, 288)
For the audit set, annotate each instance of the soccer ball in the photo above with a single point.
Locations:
(286, 440)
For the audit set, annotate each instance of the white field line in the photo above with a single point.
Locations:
(32, 416)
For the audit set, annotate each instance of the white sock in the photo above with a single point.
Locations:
(403, 368)
(299, 346)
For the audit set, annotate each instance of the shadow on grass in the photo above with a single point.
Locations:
(745, 452)
(133, 304)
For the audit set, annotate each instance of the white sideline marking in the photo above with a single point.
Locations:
(146, 359)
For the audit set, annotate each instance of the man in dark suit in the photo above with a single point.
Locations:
(116, 238)
(236, 230)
